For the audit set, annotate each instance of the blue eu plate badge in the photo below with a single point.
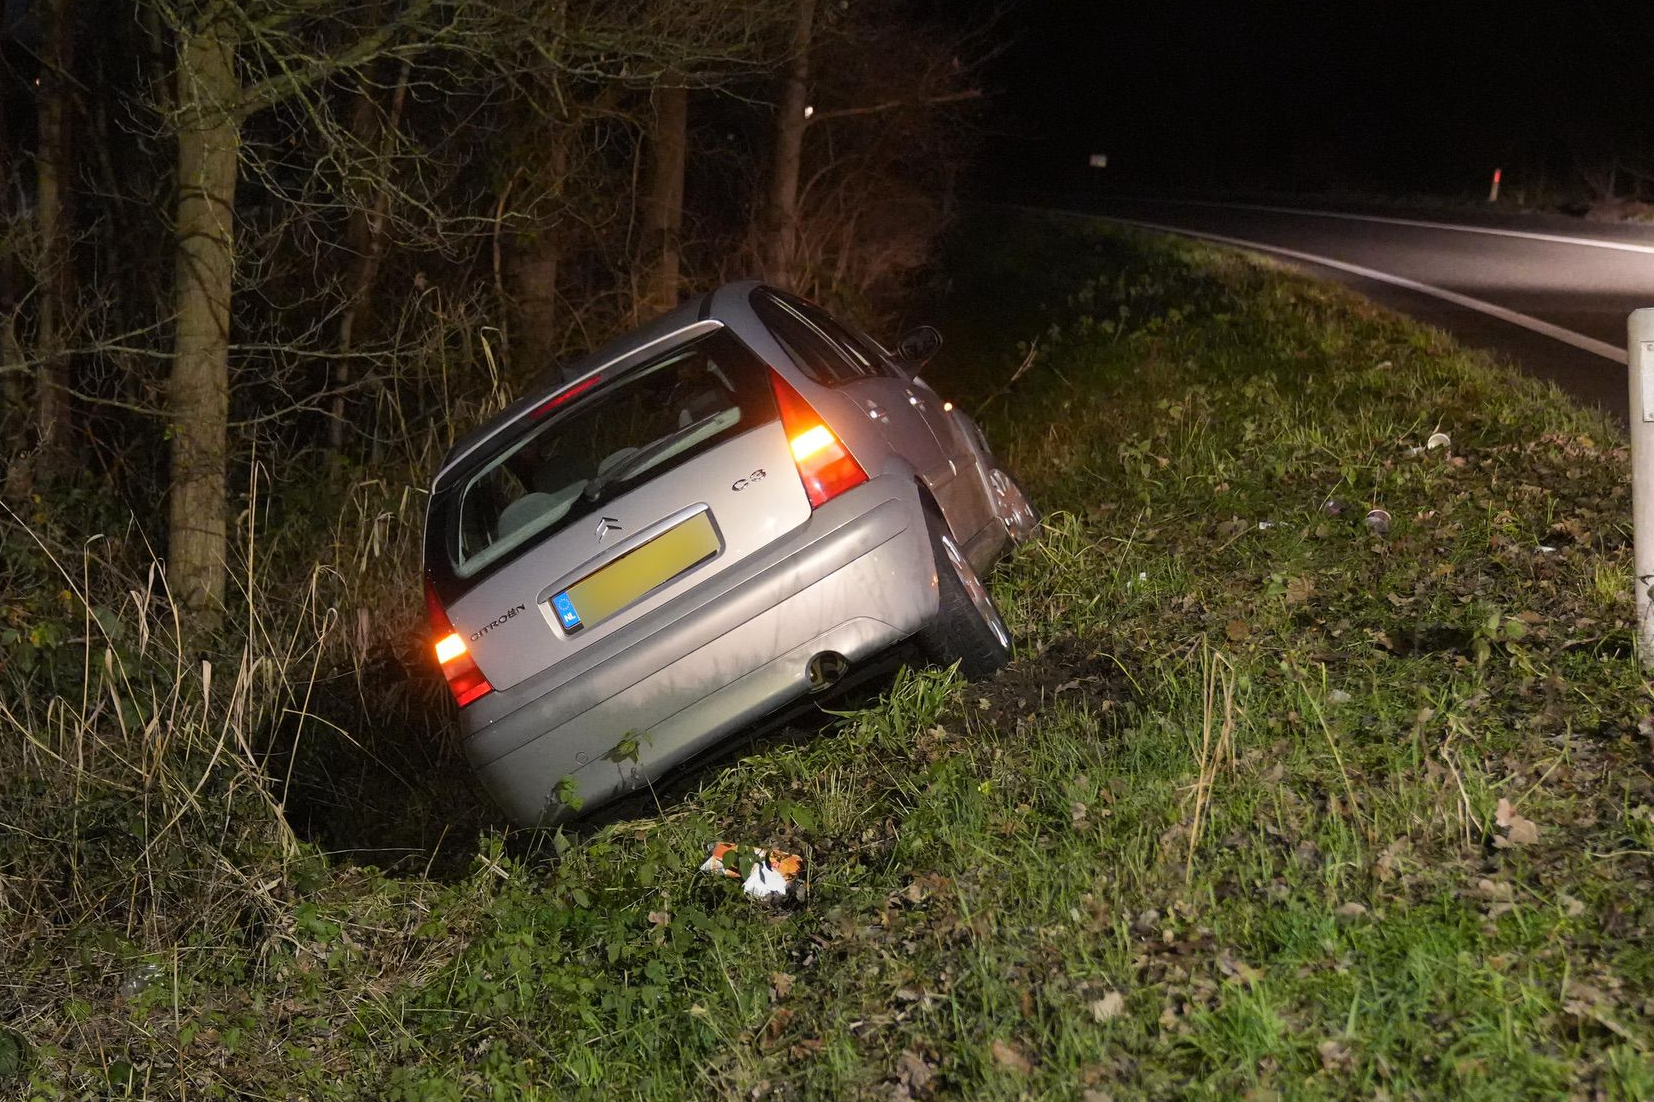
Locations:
(566, 615)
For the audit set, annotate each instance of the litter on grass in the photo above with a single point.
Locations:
(1379, 521)
(138, 979)
(1437, 440)
(773, 875)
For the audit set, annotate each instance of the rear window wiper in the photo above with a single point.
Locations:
(650, 454)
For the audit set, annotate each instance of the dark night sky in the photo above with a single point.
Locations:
(1382, 95)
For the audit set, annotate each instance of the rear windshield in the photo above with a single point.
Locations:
(587, 448)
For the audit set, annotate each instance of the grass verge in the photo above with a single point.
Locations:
(1275, 802)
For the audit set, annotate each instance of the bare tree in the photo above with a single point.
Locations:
(208, 98)
(537, 249)
(54, 278)
(14, 412)
(781, 224)
(663, 200)
(291, 53)
(365, 235)
(611, 72)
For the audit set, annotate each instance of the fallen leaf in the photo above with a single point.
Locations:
(1237, 630)
(1009, 1057)
(782, 983)
(1497, 891)
(1519, 830)
(1334, 1055)
(1111, 1005)
(776, 1026)
(913, 1071)
(1384, 867)
(1598, 1012)
(923, 887)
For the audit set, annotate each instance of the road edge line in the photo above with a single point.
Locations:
(1458, 227)
(1512, 317)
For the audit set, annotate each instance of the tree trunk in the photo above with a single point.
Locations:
(780, 246)
(663, 203)
(14, 411)
(365, 237)
(199, 392)
(533, 278)
(55, 457)
(533, 275)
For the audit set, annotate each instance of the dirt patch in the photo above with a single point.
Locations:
(1414, 639)
(1089, 671)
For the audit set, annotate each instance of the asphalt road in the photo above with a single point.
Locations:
(1550, 294)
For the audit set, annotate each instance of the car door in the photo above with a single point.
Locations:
(874, 391)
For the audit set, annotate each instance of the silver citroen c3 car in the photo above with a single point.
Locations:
(694, 527)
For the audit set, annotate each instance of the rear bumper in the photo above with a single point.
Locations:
(855, 579)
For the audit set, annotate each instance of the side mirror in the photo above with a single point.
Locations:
(917, 346)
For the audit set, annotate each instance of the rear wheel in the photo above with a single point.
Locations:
(967, 628)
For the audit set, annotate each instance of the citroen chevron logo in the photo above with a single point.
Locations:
(605, 525)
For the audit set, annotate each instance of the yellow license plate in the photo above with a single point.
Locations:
(600, 595)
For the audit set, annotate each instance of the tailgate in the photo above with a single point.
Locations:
(614, 495)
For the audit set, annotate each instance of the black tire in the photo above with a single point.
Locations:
(967, 628)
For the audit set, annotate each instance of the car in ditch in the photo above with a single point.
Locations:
(696, 526)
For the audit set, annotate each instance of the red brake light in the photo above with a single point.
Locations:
(465, 679)
(824, 464)
(567, 396)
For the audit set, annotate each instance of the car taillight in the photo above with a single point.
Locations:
(465, 679)
(824, 464)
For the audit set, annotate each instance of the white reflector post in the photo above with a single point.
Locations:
(1640, 349)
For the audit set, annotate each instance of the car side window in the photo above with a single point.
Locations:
(867, 356)
(812, 350)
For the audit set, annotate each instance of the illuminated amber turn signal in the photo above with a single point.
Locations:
(811, 441)
(449, 647)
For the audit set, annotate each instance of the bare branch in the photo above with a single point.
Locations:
(895, 105)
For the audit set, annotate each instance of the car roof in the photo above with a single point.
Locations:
(727, 305)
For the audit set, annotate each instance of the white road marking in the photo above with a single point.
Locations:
(1556, 238)
(1526, 321)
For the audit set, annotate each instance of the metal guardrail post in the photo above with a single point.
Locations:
(1640, 359)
